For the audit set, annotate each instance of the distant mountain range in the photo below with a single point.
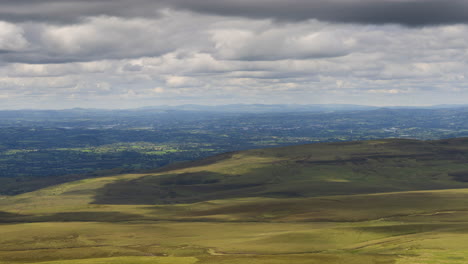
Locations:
(269, 108)
(237, 108)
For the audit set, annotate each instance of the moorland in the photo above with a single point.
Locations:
(387, 201)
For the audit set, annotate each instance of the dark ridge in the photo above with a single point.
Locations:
(6, 217)
(87, 217)
(461, 176)
(173, 188)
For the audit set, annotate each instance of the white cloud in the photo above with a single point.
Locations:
(182, 57)
(158, 90)
(12, 37)
(310, 40)
(178, 81)
(107, 37)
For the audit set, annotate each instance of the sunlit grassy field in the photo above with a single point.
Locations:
(391, 201)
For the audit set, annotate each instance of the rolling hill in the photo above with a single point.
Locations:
(381, 201)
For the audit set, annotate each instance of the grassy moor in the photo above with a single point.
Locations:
(388, 201)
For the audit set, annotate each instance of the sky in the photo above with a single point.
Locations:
(57, 54)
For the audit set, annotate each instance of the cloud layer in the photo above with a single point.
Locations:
(102, 53)
(407, 12)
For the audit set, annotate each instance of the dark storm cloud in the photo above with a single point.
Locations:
(406, 12)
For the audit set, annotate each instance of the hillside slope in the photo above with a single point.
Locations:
(303, 171)
(386, 201)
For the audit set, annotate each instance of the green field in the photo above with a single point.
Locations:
(386, 201)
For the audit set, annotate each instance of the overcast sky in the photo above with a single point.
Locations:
(131, 53)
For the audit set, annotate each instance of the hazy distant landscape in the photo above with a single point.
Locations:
(41, 148)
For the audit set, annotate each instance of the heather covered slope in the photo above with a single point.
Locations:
(304, 171)
(387, 201)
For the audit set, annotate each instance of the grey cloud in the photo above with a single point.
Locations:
(98, 38)
(287, 42)
(200, 58)
(132, 67)
(406, 12)
(72, 11)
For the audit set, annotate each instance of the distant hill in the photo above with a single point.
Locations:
(267, 108)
